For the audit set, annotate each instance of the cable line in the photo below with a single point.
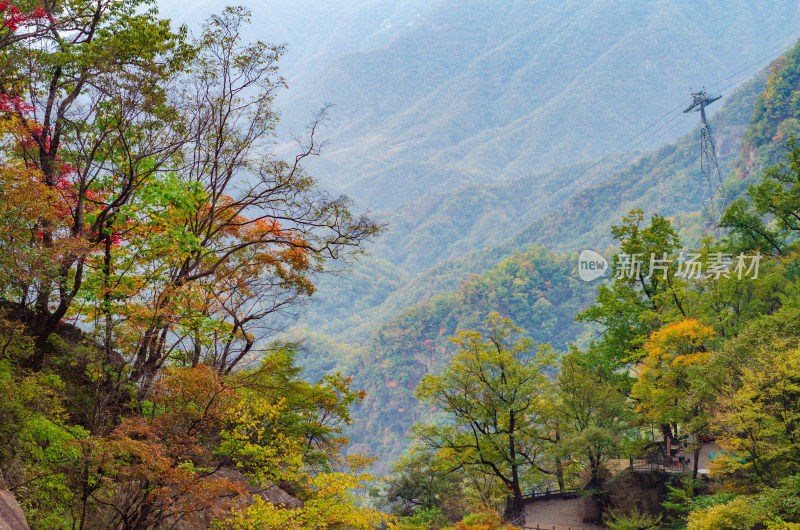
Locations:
(546, 199)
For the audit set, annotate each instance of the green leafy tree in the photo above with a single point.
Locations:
(491, 394)
(423, 519)
(681, 500)
(753, 379)
(643, 293)
(419, 482)
(770, 220)
(758, 419)
(316, 413)
(592, 416)
(632, 521)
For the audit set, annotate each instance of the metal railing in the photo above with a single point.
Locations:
(554, 527)
(519, 523)
(547, 495)
(657, 462)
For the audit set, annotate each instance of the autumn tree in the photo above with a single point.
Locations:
(201, 440)
(317, 413)
(669, 385)
(94, 78)
(213, 250)
(179, 229)
(161, 465)
(759, 421)
(754, 418)
(491, 395)
(295, 441)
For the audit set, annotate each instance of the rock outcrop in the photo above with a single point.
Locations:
(270, 493)
(11, 516)
(638, 490)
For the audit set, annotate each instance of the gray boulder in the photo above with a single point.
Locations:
(11, 516)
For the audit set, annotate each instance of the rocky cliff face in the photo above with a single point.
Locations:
(11, 516)
(643, 491)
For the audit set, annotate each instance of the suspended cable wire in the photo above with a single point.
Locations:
(675, 115)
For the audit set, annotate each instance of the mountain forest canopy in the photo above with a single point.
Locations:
(158, 244)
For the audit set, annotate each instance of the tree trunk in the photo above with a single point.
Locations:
(666, 430)
(518, 506)
(560, 474)
(596, 482)
(107, 301)
(559, 464)
(519, 509)
(515, 508)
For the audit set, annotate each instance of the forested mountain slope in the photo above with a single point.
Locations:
(537, 288)
(433, 230)
(444, 225)
(484, 91)
(666, 181)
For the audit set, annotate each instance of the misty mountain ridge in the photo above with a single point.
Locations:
(482, 92)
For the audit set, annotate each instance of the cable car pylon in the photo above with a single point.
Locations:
(711, 193)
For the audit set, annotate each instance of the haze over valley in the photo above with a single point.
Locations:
(372, 264)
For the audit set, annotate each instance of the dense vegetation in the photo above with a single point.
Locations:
(149, 240)
(152, 244)
(680, 357)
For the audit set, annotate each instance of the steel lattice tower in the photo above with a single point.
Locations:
(711, 195)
